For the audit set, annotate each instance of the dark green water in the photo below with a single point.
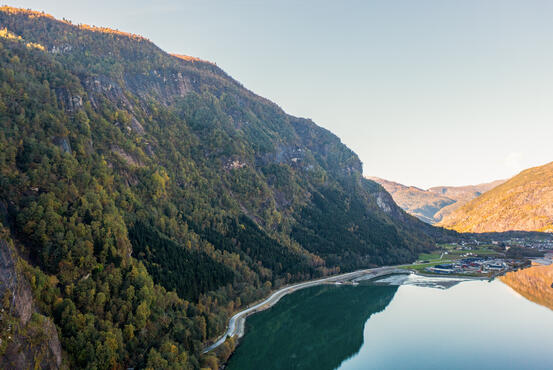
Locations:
(410, 324)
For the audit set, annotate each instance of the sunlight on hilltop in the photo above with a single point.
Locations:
(36, 14)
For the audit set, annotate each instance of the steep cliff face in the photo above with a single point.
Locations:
(154, 195)
(28, 340)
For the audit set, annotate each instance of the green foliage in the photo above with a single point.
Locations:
(155, 196)
(351, 238)
(190, 273)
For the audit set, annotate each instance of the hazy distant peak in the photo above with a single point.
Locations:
(433, 204)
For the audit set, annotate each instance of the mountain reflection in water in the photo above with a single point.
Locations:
(534, 284)
(407, 322)
(320, 337)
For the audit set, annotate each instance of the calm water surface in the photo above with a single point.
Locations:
(403, 322)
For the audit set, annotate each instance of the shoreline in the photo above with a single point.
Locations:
(236, 325)
(456, 276)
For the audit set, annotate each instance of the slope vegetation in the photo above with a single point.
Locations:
(151, 195)
(525, 202)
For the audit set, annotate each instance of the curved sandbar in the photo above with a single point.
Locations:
(237, 321)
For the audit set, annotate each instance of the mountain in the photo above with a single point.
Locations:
(145, 197)
(461, 195)
(421, 203)
(524, 202)
(435, 203)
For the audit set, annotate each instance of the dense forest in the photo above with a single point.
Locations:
(145, 197)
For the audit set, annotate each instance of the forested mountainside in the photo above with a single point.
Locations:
(145, 197)
(524, 202)
(435, 203)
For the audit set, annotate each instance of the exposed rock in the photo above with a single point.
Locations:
(382, 204)
(165, 86)
(384, 201)
(21, 297)
(63, 143)
(107, 87)
(69, 101)
(60, 49)
(234, 164)
(33, 340)
(283, 154)
(126, 156)
(148, 149)
(182, 84)
(34, 347)
(136, 126)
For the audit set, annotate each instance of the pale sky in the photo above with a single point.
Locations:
(427, 93)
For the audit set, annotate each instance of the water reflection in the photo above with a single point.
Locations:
(399, 323)
(534, 284)
(315, 328)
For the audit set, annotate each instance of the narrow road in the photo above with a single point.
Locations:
(237, 322)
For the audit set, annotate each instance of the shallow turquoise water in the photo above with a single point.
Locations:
(420, 324)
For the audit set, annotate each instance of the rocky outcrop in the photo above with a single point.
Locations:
(37, 346)
(107, 87)
(234, 164)
(167, 85)
(28, 339)
(163, 86)
(136, 126)
(70, 101)
(11, 284)
(126, 157)
(63, 143)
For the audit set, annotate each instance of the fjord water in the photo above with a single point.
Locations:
(405, 322)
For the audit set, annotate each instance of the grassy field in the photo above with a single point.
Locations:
(449, 253)
(430, 256)
(420, 267)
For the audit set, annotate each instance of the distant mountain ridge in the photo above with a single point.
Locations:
(524, 202)
(435, 203)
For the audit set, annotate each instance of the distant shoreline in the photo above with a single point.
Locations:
(468, 277)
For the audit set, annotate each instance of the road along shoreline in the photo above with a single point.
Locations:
(237, 322)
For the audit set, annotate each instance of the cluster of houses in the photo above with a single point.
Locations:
(541, 245)
(538, 244)
(471, 265)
